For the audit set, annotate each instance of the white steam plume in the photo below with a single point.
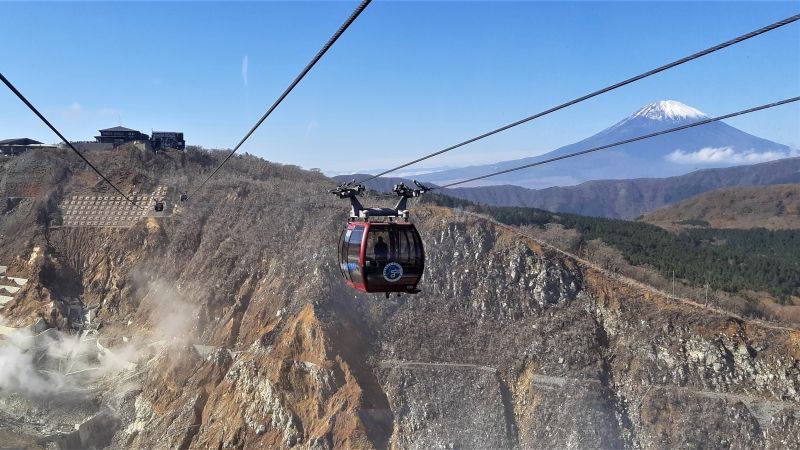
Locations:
(55, 362)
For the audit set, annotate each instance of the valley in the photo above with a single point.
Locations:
(227, 324)
(582, 265)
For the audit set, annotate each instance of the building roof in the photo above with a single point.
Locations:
(20, 141)
(120, 129)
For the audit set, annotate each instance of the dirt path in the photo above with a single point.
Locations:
(395, 364)
(763, 410)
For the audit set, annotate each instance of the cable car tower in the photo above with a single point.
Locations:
(380, 251)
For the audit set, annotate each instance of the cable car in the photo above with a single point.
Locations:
(380, 251)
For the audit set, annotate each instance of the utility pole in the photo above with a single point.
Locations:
(706, 293)
(673, 282)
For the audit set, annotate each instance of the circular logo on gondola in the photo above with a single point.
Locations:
(392, 272)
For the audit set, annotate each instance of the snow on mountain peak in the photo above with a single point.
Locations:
(669, 110)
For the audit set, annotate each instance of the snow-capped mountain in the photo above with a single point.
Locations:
(668, 110)
(711, 145)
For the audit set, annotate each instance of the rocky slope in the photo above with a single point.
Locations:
(772, 207)
(226, 325)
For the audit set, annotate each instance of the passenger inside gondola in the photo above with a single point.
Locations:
(378, 249)
(381, 250)
(380, 257)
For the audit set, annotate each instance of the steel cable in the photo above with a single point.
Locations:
(626, 141)
(678, 62)
(61, 136)
(289, 89)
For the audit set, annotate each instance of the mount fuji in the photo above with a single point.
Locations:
(707, 146)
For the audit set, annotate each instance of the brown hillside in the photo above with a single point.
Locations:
(227, 325)
(772, 207)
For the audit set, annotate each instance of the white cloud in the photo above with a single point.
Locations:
(73, 111)
(311, 127)
(726, 155)
(245, 64)
(77, 113)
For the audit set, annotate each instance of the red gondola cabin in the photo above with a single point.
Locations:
(382, 256)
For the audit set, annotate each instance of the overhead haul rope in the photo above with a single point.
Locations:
(678, 62)
(61, 136)
(294, 83)
(627, 141)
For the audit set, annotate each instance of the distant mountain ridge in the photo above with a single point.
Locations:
(623, 199)
(711, 145)
(628, 199)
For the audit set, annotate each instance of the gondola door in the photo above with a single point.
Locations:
(350, 255)
(393, 258)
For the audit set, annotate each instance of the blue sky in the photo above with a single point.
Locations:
(407, 78)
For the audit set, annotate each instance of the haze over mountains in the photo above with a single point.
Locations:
(712, 145)
(620, 199)
(628, 199)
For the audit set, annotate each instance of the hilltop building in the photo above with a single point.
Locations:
(13, 147)
(120, 135)
(159, 140)
(167, 139)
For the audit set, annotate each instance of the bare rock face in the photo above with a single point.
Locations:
(583, 360)
(502, 276)
(274, 397)
(526, 331)
(289, 396)
(240, 334)
(434, 402)
(95, 433)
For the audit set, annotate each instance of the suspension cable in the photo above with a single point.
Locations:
(675, 63)
(289, 89)
(61, 136)
(626, 141)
